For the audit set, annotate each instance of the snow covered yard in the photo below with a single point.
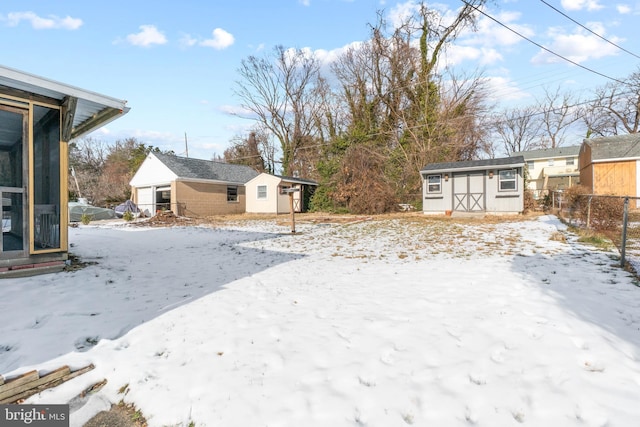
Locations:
(380, 323)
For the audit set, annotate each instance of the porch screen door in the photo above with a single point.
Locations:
(13, 134)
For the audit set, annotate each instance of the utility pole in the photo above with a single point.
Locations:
(186, 145)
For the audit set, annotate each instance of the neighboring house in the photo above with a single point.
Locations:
(190, 187)
(611, 165)
(551, 169)
(265, 194)
(38, 117)
(492, 186)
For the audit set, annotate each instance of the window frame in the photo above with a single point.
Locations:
(429, 184)
(232, 194)
(502, 180)
(261, 189)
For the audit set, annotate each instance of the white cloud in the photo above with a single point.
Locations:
(578, 47)
(39, 23)
(590, 5)
(305, 2)
(188, 41)
(624, 9)
(149, 35)
(400, 12)
(221, 39)
(490, 34)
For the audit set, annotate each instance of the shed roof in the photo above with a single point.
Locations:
(548, 153)
(296, 180)
(91, 111)
(189, 168)
(614, 147)
(515, 161)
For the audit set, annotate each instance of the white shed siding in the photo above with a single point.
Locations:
(152, 172)
(268, 205)
(438, 202)
(505, 201)
(474, 186)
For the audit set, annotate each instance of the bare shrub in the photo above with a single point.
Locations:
(362, 186)
(529, 202)
(602, 213)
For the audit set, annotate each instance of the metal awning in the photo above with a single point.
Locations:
(86, 110)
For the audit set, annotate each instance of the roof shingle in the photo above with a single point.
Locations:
(185, 167)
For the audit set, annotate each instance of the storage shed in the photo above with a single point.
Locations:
(38, 117)
(493, 186)
(190, 187)
(266, 194)
(611, 165)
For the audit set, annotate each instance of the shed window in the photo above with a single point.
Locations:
(232, 193)
(507, 180)
(434, 183)
(262, 191)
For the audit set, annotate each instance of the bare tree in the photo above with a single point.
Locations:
(615, 109)
(246, 151)
(519, 129)
(280, 91)
(558, 113)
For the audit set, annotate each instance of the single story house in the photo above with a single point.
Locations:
(493, 186)
(38, 117)
(611, 165)
(190, 187)
(266, 193)
(551, 169)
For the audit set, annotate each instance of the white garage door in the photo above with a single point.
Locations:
(145, 200)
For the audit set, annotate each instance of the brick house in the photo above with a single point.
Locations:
(190, 187)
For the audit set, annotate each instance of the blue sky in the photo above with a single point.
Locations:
(175, 62)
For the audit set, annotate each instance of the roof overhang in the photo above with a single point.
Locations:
(85, 111)
(471, 168)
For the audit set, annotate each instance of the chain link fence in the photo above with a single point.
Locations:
(616, 217)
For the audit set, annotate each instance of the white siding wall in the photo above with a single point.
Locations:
(268, 205)
(152, 172)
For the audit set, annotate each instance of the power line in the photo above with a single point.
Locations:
(592, 32)
(542, 47)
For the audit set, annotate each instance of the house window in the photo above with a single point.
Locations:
(434, 184)
(507, 180)
(232, 193)
(550, 162)
(262, 191)
(570, 161)
(530, 164)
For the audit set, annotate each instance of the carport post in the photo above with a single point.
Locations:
(293, 217)
(290, 191)
(625, 219)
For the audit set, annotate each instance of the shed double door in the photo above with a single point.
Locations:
(468, 192)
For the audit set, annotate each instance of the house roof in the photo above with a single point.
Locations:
(548, 153)
(515, 161)
(614, 147)
(189, 168)
(296, 180)
(91, 111)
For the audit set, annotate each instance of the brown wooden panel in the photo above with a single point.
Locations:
(617, 178)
